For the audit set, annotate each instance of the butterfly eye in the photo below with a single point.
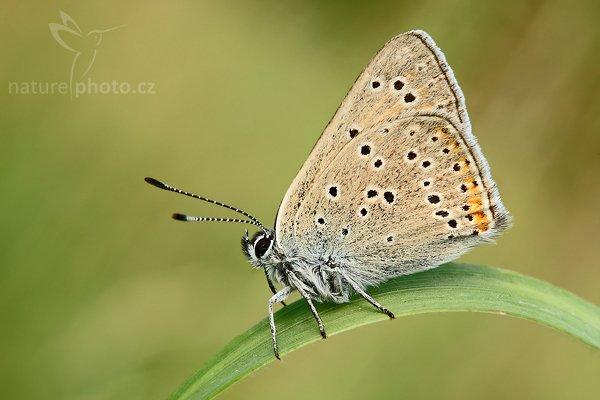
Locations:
(262, 246)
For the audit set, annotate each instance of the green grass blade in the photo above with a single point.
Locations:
(452, 287)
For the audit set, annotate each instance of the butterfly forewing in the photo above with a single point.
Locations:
(397, 175)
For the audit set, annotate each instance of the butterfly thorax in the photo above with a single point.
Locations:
(322, 280)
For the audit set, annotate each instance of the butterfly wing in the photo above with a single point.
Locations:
(406, 96)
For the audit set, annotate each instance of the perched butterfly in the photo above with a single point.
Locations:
(396, 184)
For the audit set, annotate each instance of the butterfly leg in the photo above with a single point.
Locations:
(277, 297)
(272, 287)
(304, 294)
(368, 298)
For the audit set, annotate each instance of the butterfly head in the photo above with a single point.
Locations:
(259, 248)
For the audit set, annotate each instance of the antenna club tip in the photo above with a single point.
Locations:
(180, 217)
(155, 182)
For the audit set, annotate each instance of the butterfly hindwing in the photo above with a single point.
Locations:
(416, 199)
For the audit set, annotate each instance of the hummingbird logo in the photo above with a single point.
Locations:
(84, 46)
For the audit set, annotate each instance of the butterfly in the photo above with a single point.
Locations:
(396, 184)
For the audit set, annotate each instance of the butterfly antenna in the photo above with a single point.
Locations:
(182, 217)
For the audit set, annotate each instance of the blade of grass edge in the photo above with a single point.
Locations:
(451, 287)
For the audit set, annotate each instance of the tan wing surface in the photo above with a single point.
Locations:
(405, 95)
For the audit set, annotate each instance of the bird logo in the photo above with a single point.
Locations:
(85, 46)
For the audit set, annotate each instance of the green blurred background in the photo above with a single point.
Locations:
(102, 296)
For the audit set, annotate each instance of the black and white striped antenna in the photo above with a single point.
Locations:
(183, 217)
